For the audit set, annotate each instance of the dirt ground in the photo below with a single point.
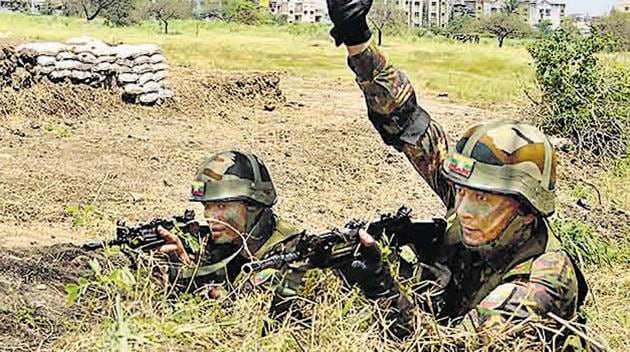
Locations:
(76, 148)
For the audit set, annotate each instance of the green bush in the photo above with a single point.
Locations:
(245, 12)
(581, 241)
(583, 97)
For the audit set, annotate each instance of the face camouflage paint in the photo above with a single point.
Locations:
(230, 216)
(483, 215)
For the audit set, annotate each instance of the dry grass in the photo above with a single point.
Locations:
(72, 160)
(483, 75)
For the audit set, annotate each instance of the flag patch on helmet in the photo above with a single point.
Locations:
(198, 188)
(461, 165)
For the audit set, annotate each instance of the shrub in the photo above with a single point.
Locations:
(245, 12)
(582, 97)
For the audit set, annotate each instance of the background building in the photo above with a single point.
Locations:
(307, 11)
(541, 10)
(414, 11)
(438, 12)
(622, 6)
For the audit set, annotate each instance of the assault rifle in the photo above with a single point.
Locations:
(339, 247)
(144, 236)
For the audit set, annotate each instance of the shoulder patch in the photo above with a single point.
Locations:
(262, 276)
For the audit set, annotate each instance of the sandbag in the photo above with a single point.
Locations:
(66, 55)
(46, 60)
(148, 98)
(159, 76)
(49, 49)
(127, 78)
(151, 86)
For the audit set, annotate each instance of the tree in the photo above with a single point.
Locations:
(616, 27)
(503, 25)
(464, 24)
(510, 6)
(92, 8)
(245, 11)
(124, 14)
(544, 28)
(385, 14)
(168, 10)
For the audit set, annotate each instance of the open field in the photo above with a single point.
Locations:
(72, 160)
(482, 75)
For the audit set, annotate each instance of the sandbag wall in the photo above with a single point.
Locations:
(140, 70)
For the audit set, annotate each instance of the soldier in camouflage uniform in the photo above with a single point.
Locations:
(497, 261)
(237, 193)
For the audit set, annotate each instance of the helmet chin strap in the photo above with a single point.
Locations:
(257, 224)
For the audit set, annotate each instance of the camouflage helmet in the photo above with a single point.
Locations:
(506, 157)
(232, 175)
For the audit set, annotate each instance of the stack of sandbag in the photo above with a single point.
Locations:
(8, 65)
(140, 70)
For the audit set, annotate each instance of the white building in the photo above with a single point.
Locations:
(413, 10)
(490, 7)
(307, 11)
(622, 6)
(551, 10)
(14, 5)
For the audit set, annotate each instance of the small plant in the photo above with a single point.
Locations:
(59, 131)
(82, 216)
(581, 241)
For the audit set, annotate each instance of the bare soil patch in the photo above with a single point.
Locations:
(73, 147)
(33, 308)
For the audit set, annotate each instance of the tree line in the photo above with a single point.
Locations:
(129, 12)
(386, 17)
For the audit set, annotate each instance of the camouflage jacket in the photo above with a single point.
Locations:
(220, 268)
(531, 280)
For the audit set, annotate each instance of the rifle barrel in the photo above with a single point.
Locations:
(275, 262)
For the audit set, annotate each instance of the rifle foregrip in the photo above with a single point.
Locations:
(275, 262)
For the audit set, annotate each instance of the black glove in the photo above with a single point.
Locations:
(349, 19)
(371, 274)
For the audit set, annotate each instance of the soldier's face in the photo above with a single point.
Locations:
(483, 215)
(227, 220)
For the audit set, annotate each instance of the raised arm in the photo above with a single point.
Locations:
(399, 119)
(390, 97)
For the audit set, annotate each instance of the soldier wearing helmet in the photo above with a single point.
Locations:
(237, 194)
(498, 261)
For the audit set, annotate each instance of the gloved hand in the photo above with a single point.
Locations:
(369, 272)
(349, 19)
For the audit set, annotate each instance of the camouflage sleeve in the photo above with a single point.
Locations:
(288, 286)
(400, 120)
(552, 287)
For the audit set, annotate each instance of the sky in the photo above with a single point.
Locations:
(592, 7)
